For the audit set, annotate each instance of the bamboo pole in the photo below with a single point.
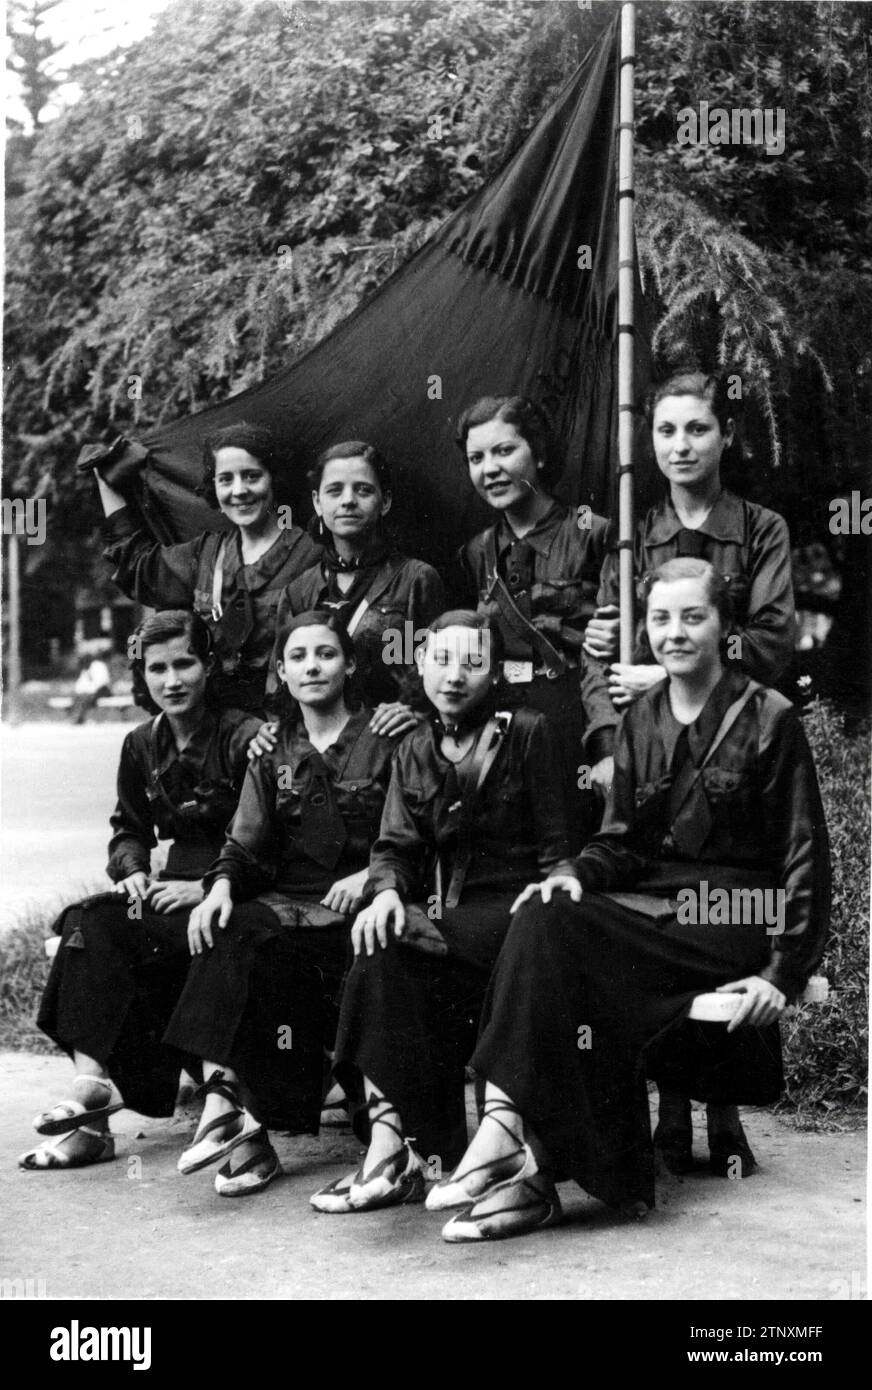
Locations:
(626, 328)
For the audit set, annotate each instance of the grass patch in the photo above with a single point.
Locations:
(826, 1045)
(24, 969)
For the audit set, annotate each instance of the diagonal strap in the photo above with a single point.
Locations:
(490, 740)
(688, 775)
(553, 660)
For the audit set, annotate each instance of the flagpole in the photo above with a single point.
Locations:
(626, 330)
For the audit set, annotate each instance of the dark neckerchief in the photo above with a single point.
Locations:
(471, 723)
(371, 558)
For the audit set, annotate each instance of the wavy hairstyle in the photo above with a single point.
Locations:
(528, 418)
(163, 627)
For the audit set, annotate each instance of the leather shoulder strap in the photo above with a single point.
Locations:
(689, 775)
(514, 619)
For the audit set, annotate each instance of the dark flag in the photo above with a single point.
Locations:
(517, 292)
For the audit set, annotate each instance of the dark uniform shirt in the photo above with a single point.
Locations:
(403, 597)
(754, 819)
(518, 827)
(747, 544)
(306, 819)
(552, 573)
(187, 797)
(181, 576)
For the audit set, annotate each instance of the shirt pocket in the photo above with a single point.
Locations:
(360, 798)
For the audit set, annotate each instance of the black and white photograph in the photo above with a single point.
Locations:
(435, 746)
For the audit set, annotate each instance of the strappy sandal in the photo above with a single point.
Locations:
(51, 1155)
(334, 1108)
(236, 1126)
(252, 1176)
(452, 1191)
(528, 1202)
(385, 1185)
(68, 1115)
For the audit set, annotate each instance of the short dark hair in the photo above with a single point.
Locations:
(163, 627)
(257, 440)
(282, 704)
(479, 622)
(352, 449)
(692, 567)
(314, 617)
(710, 387)
(528, 418)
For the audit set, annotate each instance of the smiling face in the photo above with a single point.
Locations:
(243, 488)
(314, 668)
(350, 500)
(502, 466)
(174, 676)
(688, 441)
(684, 628)
(455, 666)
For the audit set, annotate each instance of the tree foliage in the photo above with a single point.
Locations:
(231, 187)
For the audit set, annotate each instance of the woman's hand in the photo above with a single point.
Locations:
(394, 719)
(345, 894)
(602, 634)
(627, 683)
(218, 900)
(134, 886)
(372, 923)
(264, 741)
(171, 895)
(762, 1004)
(602, 774)
(566, 883)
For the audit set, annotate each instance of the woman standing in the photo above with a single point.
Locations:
(474, 808)
(123, 955)
(535, 571)
(259, 1005)
(747, 544)
(383, 597)
(714, 797)
(232, 579)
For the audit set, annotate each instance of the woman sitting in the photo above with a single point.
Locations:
(715, 799)
(123, 956)
(259, 1005)
(694, 440)
(474, 808)
(234, 578)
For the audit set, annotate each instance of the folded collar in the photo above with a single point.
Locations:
(540, 539)
(725, 521)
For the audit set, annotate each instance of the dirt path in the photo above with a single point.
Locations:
(135, 1229)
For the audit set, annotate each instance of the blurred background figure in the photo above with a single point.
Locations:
(92, 682)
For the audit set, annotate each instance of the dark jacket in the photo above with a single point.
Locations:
(756, 818)
(306, 819)
(518, 828)
(403, 597)
(181, 576)
(186, 797)
(747, 544)
(553, 574)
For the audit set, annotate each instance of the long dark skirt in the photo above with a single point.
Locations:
(577, 994)
(560, 701)
(264, 1001)
(409, 1020)
(112, 988)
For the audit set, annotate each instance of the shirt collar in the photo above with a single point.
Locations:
(703, 729)
(540, 538)
(725, 521)
(194, 752)
(334, 755)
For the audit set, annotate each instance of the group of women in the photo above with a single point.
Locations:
(381, 875)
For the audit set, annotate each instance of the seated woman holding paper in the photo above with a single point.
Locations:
(269, 941)
(473, 810)
(715, 797)
(123, 955)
